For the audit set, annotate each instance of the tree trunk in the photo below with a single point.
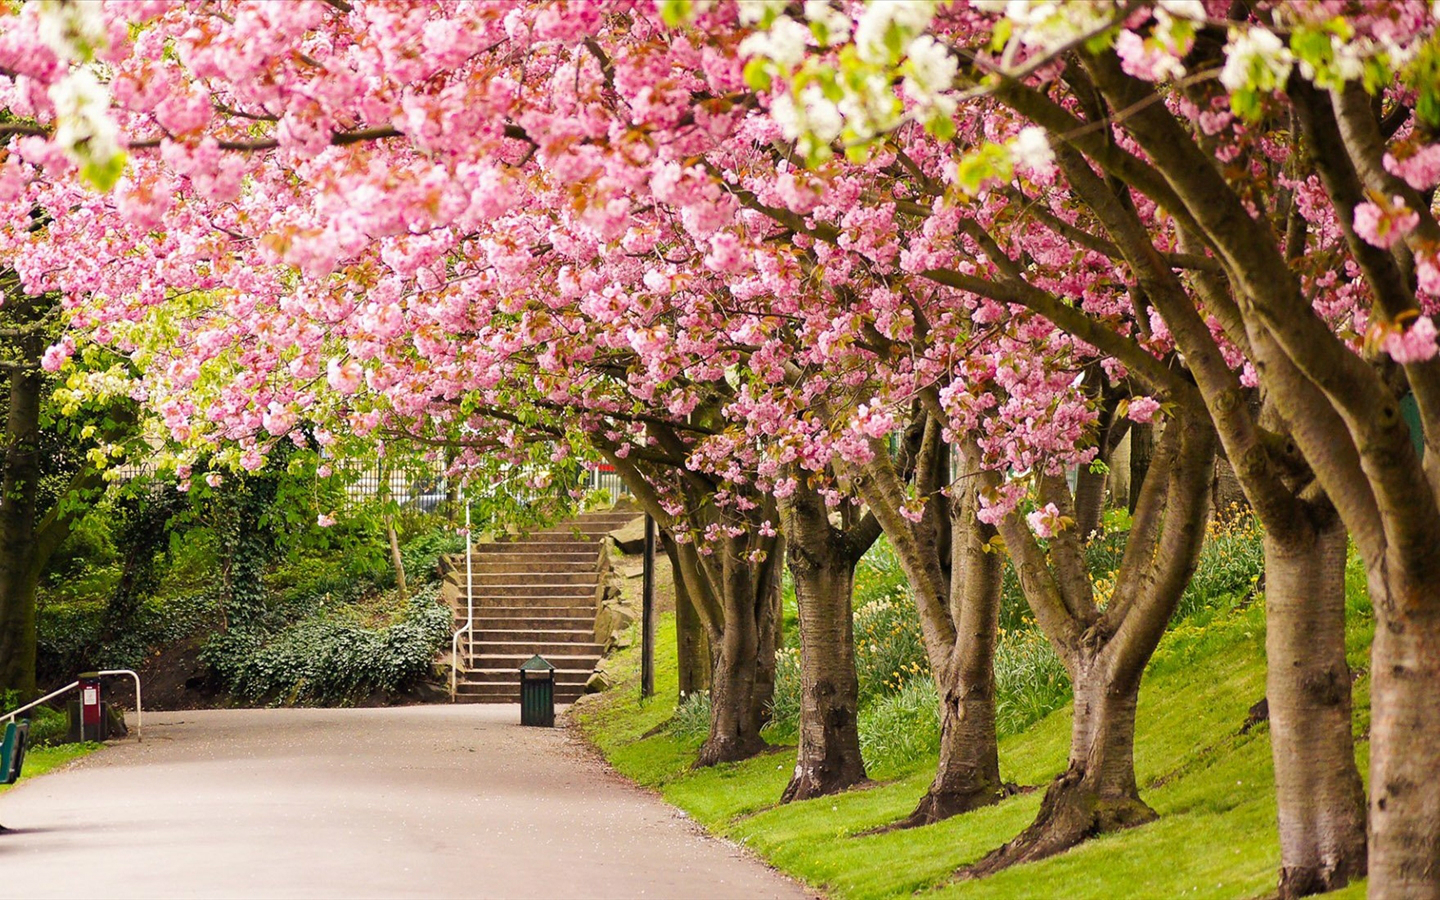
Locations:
(735, 722)
(968, 774)
(1142, 448)
(742, 673)
(1120, 473)
(828, 759)
(396, 559)
(1089, 500)
(18, 637)
(1318, 789)
(691, 647)
(1404, 741)
(19, 573)
(1097, 792)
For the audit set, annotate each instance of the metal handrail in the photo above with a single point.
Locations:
(469, 606)
(10, 716)
(139, 707)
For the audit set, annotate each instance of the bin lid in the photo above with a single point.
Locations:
(537, 663)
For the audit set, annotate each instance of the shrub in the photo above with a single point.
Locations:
(421, 554)
(889, 649)
(692, 717)
(1231, 563)
(47, 726)
(785, 705)
(1030, 681)
(901, 728)
(327, 660)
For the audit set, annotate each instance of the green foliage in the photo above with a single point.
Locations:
(90, 547)
(48, 726)
(692, 717)
(1030, 681)
(900, 729)
(1231, 563)
(889, 649)
(421, 554)
(331, 659)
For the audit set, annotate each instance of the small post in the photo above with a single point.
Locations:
(647, 614)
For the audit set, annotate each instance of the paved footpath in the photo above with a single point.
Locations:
(422, 801)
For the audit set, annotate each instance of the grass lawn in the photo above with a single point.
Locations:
(1213, 787)
(39, 760)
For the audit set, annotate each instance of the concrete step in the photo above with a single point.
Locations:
(511, 694)
(502, 611)
(498, 575)
(511, 675)
(524, 632)
(526, 555)
(511, 601)
(511, 663)
(528, 648)
(538, 586)
(580, 623)
(577, 538)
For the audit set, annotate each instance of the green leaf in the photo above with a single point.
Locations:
(103, 173)
(677, 12)
(757, 74)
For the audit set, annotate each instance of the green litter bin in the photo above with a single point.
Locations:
(537, 692)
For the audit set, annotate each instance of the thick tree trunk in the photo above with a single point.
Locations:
(1097, 792)
(742, 674)
(735, 722)
(1089, 500)
(691, 647)
(828, 759)
(968, 774)
(19, 573)
(1142, 448)
(18, 636)
(1405, 741)
(1320, 796)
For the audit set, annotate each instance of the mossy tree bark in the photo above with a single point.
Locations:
(35, 518)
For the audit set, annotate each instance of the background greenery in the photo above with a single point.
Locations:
(278, 610)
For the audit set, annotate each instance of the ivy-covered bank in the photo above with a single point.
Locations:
(239, 606)
(1202, 762)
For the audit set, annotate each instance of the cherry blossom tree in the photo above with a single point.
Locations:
(370, 216)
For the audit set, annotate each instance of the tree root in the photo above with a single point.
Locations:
(1071, 813)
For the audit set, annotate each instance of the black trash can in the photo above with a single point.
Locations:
(537, 692)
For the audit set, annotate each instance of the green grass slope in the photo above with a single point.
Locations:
(1212, 785)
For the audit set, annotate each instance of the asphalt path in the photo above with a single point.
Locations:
(421, 801)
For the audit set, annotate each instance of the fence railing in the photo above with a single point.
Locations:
(139, 707)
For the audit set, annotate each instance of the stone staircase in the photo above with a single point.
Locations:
(535, 594)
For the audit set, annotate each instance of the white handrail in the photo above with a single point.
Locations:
(10, 716)
(469, 603)
(139, 708)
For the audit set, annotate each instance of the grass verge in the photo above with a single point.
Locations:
(1212, 785)
(40, 760)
